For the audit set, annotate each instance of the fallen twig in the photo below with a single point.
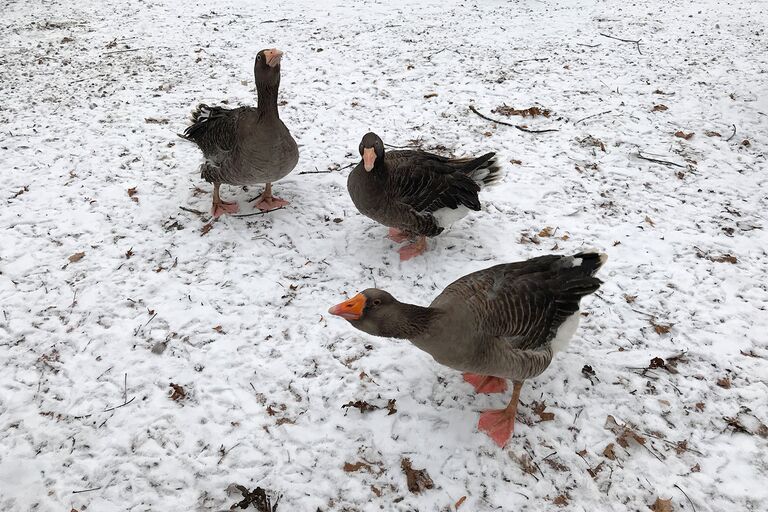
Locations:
(529, 60)
(521, 128)
(590, 117)
(658, 161)
(192, 210)
(686, 495)
(636, 42)
(314, 172)
(259, 213)
(119, 406)
(86, 490)
(588, 45)
(732, 135)
(127, 50)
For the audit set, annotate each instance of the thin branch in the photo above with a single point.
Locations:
(686, 495)
(658, 161)
(192, 210)
(530, 60)
(121, 405)
(732, 135)
(590, 117)
(521, 128)
(636, 42)
(259, 213)
(128, 50)
(588, 45)
(315, 172)
(86, 490)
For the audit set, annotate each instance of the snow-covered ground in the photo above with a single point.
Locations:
(92, 96)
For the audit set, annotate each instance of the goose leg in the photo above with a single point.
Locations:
(398, 236)
(486, 383)
(499, 424)
(221, 207)
(414, 249)
(266, 201)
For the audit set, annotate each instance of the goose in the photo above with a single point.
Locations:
(414, 193)
(246, 145)
(503, 322)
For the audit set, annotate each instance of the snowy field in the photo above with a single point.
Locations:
(112, 287)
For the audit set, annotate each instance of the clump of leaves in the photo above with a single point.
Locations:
(538, 409)
(681, 134)
(659, 108)
(416, 479)
(364, 406)
(661, 505)
(258, 498)
(660, 328)
(505, 110)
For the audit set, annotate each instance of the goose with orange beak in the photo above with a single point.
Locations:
(504, 322)
(417, 194)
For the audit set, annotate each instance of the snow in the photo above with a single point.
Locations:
(81, 126)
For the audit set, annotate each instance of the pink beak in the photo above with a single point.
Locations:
(369, 157)
(273, 57)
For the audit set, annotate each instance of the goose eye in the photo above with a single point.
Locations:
(376, 302)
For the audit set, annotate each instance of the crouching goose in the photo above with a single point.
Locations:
(504, 322)
(246, 145)
(414, 193)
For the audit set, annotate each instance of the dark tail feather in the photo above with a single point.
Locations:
(484, 170)
(591, 261)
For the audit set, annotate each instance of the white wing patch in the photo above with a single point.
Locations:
(565, 332)
(447, 216)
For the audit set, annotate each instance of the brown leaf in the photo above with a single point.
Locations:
(547, 231)
(178, 392)
(153, 120)
(76, 257)
(700, 406)
(623, 433)
(516, 162)
(505, 110)
(283, 421)
(657, 362)
(724, 382)
(696, 468)
(357, 466)
(609, 452)
(430, 95)
(538, 409)
(417, 479)
(681, 447)
(460, 502)
(391, 407)
(659, 108)
(362, 405)
(661, 505)
(649, 221)
(683, 135)
(131, 191)
(630, 298)
(724, 258)
(709, 133)
(219, 329)
(206, 228)
(376, 490)
(560, 501)
(129, 253)
(526, 463)
(660, 328)
(593, 472)
(557, 466)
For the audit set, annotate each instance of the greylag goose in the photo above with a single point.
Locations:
(504, 322)
(414, 193)
(246, 145)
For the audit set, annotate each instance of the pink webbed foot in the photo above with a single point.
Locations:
(266, 204)
(413, 250)
(397, 236)
(486, 383)
(498, 424)
(223, 207)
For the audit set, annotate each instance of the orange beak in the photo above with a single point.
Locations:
(351, 309)
(273, 57)
(369, 157)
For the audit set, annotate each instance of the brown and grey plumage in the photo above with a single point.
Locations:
(246, 145)
(503, 322)
(415, 193)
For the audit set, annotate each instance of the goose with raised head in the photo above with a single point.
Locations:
(504, 322)
(417, 194)
(246, 145)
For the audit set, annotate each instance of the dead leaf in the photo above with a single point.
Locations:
(178, 392)
(219, 329)
(546, 232)
(659, 108)
(656, 362)
(700, 406)
(129, 253)
(206, 228)
(609, 452)
(557, 466)
(391, 407)
(430, 95)
(624, 434)
(460, 502)
(696, 468)
(589, 373)
(417, 479)
(76, 257)
(560, 501)
(661, 505)
(362, 405)
(357, 466)
(376, 491)
(258, 498)
(681, 447)
(505, 110)
(630, 298)
(538, 409)
(516, 162)
(660, 328)
(649, 221)
(683, 135)
(724, 382)
(526, 463)
(593, 472)
(153, 120)
(724, 258)
(132, 192)
(709, 133)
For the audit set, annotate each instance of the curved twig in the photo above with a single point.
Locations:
(521, 128)
(732, 135)
(259, 213)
